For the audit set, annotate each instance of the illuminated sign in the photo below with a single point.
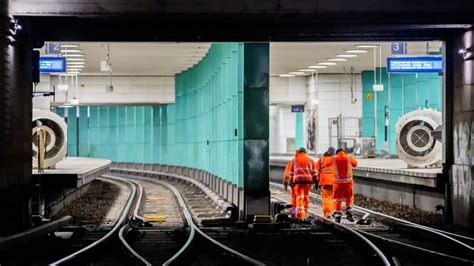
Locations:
(424, 64)
(52, 64)
(297, 108)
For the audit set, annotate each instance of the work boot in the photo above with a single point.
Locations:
(337, 217)
(349, 215)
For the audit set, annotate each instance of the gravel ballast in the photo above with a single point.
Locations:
(92, 207)
(400, 211)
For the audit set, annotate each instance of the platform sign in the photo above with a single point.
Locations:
(52, 64)
(424, 64)
(53, 48)
(399, 48)
(297, 108)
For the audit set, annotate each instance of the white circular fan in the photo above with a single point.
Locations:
(56, 137)
(415, 143)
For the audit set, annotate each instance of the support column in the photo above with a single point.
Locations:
(299, 130)
(15, 129)
(460, 112)
(256, 130)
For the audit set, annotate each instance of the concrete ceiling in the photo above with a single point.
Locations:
(288, 57)
(167, 59)
(164, 59)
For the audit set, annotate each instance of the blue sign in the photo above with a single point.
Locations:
(52, 64)
(399, 48)
(297, 108)
(423, 64)
(53, 48)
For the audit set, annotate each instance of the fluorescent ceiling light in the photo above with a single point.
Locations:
(286, 75)
(336, 59)
(66, 106)
(307, 70)
(296, 73)
(356, 51)
(347, 55)
(73, 55)
(317, 67)
(75, 59)
(367, 46)
(328, 64)
(75, 67)
(69, 45)
(76, 63)
(71, 51)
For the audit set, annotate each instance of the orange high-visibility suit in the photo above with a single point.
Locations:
(302, 176)
(326, 167)
(344, 182)
(286, 180)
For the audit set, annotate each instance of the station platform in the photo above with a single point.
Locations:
(392, 170)
(73, 172)
(387, 180)
(54, 188)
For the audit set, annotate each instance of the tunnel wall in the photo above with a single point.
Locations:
(462, 177)
(15, 127)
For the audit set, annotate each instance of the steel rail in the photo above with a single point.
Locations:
(343, 228)
(116, 227)
(420, 251)
(194, 228)
(447, 235)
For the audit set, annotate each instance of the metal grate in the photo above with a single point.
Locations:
(51, 150)
(419, 138)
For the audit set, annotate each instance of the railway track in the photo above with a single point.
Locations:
(319, 245)
(405, 242)
(190, 245)
(68, 244)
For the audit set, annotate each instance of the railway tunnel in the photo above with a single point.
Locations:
(223, 116)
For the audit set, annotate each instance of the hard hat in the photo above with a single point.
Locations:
(302, 149)
(331, 150)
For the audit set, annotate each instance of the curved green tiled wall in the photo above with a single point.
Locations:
(202, 129)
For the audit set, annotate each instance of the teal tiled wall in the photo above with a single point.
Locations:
(202, 129)
(402, 93)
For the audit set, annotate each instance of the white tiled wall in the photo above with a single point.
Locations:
(334, 96)
(283, 93)
(334, 99)
(287, 90)
(126, 89)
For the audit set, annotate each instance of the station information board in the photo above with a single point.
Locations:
(52, 64)
(425, 64)
(297, 108)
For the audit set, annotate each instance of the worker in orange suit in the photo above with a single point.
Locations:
(326, 167)
(286, 181)
(302, 175)
(344, 185)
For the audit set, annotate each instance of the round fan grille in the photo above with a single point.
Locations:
(55, 130)
(415, 138)
(54, 138)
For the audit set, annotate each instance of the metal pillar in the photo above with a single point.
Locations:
(256, 130)
(15, 127)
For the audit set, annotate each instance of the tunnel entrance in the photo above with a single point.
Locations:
(71, 29)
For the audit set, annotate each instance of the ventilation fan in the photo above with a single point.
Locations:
(56, 137)
(415, 142)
